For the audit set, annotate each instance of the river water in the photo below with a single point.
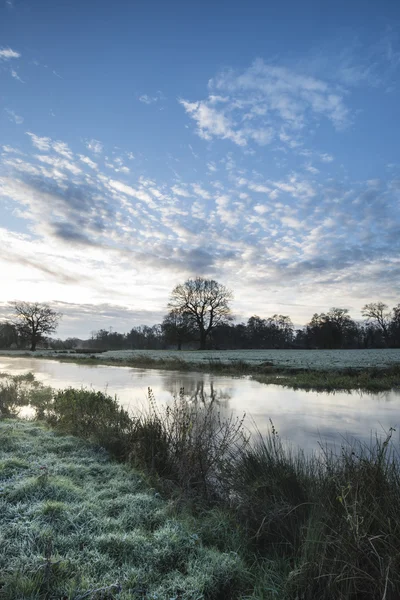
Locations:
(301, 417)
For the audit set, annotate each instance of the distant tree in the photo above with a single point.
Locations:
(8, 335)
(205, 301)
(344, 329)
(274, 332)
(72, 342)
(378, 313)
(334, 329)
(256, 332)
(395, 326)
(177, 328)
(280, 331)
(33, 321)
(144, 337)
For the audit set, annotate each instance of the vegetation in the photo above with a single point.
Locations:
(368, 379)
(204, 303)
(76, 525)
(32, 321)
(244, 513)
(200, 316)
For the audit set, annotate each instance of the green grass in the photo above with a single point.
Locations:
(370, 379)
(72, 522)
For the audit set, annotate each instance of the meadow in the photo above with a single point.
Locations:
(286, 359)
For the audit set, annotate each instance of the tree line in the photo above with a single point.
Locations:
(199, 316)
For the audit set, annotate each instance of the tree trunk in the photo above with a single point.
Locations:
(203, 338)
(33, 345)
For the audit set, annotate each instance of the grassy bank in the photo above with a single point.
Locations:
(75, 525)
(264, 518)
(370, 379)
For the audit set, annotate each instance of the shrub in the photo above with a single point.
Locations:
(94, 416)
(187, 444)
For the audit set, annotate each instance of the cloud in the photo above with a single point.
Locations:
(255, 104)
(298, 233)
(94, 146)
(311, 169)
(181, 191)
(8, 53)
(212, 123)
(42, 143)
(128, 190)
(63, 149)
(146, 99)
(12, 115)
(325, 157)
(78, 213)
(10, 150)
(38, 263)
(15, 75)
(60, 163)
(351, 62)
(199, 191)
(88, 161)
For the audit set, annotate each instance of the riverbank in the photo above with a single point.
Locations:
(269, 521)
(74, 524)
(368, 372)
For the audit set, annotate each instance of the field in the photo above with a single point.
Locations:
(281, 359)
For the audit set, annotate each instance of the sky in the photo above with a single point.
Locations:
(144, 143)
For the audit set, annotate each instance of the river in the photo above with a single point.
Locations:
(302, 417)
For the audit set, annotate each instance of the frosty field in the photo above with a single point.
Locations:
(296, 359)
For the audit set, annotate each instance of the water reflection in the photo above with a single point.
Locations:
(303, 417)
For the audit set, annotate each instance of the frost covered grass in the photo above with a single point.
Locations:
(74, 525)
(296, 359)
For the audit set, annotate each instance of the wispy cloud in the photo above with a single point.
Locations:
(146, 99)
(42, 143)
(179, 190)
(94, 146)
(88, 161)
(289, 231)
(15, 75)
(212, 122)
(8, 53)
(12, 115)
(265, 102)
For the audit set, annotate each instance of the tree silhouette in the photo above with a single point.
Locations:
(205, 301)
(33, 320)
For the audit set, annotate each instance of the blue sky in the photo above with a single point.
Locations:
(142, 143)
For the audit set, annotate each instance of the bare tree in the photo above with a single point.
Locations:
(205, 301)
(378, 313)
(33, 321)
